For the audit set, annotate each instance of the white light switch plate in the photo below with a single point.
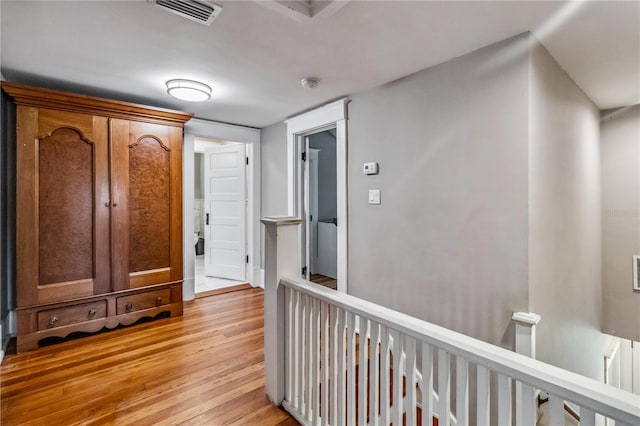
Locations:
(374, 196)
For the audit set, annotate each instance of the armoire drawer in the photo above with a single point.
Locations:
(140, 301)
(71, 315)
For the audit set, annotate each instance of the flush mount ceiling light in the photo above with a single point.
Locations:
(188, 90)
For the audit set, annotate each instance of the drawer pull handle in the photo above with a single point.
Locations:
(92, 313)
(158, 301)
(129, 307)
(52, 321)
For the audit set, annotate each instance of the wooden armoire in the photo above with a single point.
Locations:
(98, 213)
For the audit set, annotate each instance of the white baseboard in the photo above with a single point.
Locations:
(188, 289)
(12, 323)
(261, 282)
(1, 343)
(256, 277)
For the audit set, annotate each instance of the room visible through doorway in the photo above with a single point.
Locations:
(220, 201)
(320, 193)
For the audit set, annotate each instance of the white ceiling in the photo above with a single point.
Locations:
(254, 57)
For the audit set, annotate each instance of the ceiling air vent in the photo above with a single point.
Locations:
(199, 11)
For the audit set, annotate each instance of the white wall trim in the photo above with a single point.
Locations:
(319, 117)
(12, 323)
(2, 348)
(333, 114)
(205, 129)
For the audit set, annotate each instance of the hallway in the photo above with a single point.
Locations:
(205, 368)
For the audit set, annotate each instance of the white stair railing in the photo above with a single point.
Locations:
(330, 336)
(334, 359)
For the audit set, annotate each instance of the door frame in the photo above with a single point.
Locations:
(332, 115)
(211, 130)
(312, 184)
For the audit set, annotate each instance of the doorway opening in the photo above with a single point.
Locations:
(328, 120)
(220, 216)
(320, 208)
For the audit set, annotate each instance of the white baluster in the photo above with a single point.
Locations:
(462, 391)
(504, 400)
(427, 384)
(363, 371)
(483, 395)
(333, 363)
(298, 353)
(556, 410)
(306, 357)
(324, 324)
(587, 417)
(444, 388)
(342, 371)
(374, 394)
(384, 376)
(396, 407)
(351, 368)
(315, 367)
(529, 406)
(411, 399)
(289, 344)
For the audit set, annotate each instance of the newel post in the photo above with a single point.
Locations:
(526, 332)
(281, 245)
(525, 323)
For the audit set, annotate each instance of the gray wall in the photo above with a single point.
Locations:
(490, 188)
(564, 220)
(327, 186)
(274, 170)
(620, 145)
(448, 244)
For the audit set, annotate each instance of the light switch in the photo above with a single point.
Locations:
(374, 196)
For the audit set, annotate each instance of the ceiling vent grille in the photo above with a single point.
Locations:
(198, 11)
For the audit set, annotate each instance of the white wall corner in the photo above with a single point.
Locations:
(261, 281)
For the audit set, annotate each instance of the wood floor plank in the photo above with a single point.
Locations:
(205, 368)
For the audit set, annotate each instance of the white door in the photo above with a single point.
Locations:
(312, 170)
(225, 206)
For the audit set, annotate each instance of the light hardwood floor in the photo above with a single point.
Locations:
(328, 282)
(205, 368)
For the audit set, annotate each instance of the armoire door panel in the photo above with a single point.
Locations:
(61, 159)
(149, 204)
(65, 207)
(146, 158)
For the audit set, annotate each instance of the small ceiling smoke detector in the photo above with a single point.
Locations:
(188, 90)
(309, 83)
